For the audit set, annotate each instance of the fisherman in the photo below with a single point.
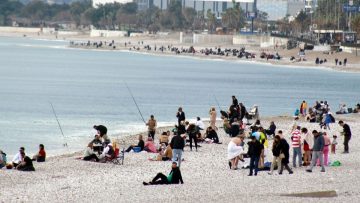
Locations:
(152, 124)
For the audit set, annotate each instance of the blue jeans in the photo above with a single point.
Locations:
(297, 153)
(254, 163)
(315, 156)
(177, 156)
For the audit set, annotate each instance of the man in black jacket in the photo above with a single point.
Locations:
(174, 177)
(180, 116)
(177, 145)
(254, 152)
(347, 135)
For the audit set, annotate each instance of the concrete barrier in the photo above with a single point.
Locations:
(212, 39)
(27, 30)
(107, 33)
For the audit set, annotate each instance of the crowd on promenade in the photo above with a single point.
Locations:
(249, 146)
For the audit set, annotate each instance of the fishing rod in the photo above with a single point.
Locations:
(135, 103)
(217, 102)
(53, 109)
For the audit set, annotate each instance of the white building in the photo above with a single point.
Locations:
(96, 3)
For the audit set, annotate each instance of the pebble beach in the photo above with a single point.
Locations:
(206, 175)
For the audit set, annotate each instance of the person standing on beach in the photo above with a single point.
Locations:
(213, 118)
(177, 145)
(347, 135)
(308, 144)
(318, 149)
(254, 152)
(192, 132)
(174, 177)
(296, 145)
(303, 108)
(242, 111)
(180, 115)
(336, 61)
(345, 61)
(276, 154)
(284, 155)
(152, 124)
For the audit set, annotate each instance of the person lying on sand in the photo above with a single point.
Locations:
(174, 177)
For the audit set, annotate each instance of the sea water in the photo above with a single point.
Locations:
(87, 87)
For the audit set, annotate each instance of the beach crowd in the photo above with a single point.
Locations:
(249, 148)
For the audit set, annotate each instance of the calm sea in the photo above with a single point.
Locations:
(88, 87)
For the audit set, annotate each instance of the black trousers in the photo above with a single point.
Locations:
(151, 134)
(286, 166)
(191, 138)
(346, 143)
(160, 179)
(91, 157)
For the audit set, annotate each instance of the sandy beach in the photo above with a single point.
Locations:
(206, 175)
(173, 40)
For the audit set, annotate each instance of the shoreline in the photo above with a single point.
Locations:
(161, 41)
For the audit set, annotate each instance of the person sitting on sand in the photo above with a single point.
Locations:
(255, 126)
(2, 159)
(97, 144)
(165, 153)
(174, 177)
(211, 135)
(140, 144)
(199, 124)
(235, 152)
(18, 158)
(26, 164)
(89, 154)
(226, 125)
(108, 153)
(150, 146)
(164, 138)
(41, 155)
(271, 130)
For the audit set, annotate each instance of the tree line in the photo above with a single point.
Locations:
(117, 16)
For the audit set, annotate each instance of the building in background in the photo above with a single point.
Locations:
(276, 9)
(310, 5)
(295, 6)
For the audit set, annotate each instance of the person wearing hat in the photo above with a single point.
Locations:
(102, 131)
(151, 127)
(254, 152)
(174, 177)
